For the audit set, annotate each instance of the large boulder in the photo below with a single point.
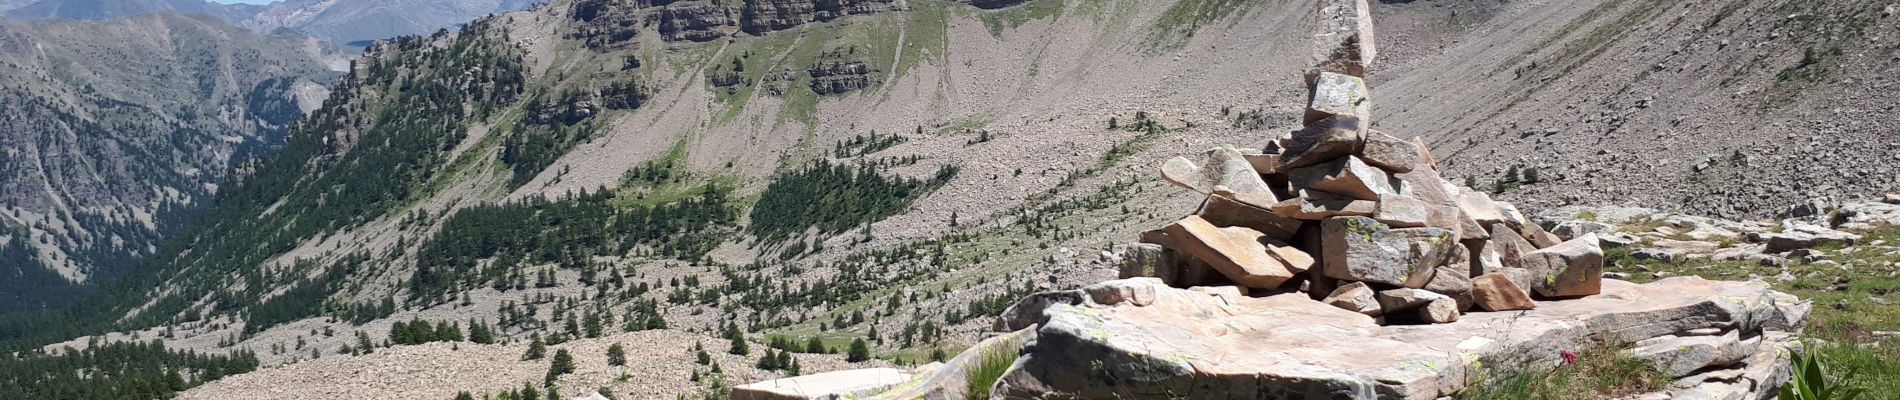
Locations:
(1361, 249)
(1345, 176)
(1680, 356)
(1221, 167)
(1569, 269)
(1322, 141)
(1243, 255)
(1289, 346)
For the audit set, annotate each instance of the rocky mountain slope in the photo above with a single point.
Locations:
(340, 21)
(892, 171)
(116, 129)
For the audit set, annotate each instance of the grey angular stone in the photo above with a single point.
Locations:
(1401, 211)
(1402, 299)
(1347, 176)
(1322, 141)
(1138, 260)
(1443, 310)
(1390, 153)
(1355, 297)
(1572, 229)
(1222, 210)
(1335, 95)
(1453, 280)
(1680, 356)
(1343, 37)
(1222, 167)
(1572, 268)
(1361, 249)
(1315, 205)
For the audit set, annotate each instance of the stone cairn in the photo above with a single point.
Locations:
(1354, 217)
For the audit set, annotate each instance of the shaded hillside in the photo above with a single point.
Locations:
(117, 130)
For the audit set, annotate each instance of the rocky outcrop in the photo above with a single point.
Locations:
(603, 24)
(1289, 346)
(762, 16)
(842, 70)
(692, 21)
(992, 4)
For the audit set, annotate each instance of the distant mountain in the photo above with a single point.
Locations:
(347, 21)
(109, 9)
(113, 131)
(341, 21)
(12, 4)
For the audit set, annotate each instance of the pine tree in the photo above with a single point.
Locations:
(363, 343)
(616, 355)
(536, 349)
(739, 346)
(463, 395)
(860, 351)
(563, 363)
(815, 346)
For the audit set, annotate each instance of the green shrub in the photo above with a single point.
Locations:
(1810, 382)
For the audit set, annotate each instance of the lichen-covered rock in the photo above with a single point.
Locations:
(1572, 268)
(1363, 250)
(1338, 95)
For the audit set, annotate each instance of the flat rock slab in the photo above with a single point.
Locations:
(1290, 346)
(856, 383)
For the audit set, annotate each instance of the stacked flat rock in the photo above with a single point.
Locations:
(1354, 217)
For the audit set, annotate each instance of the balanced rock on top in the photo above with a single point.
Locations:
(1220, 167)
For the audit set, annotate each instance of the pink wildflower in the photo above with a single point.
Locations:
(1570, 357)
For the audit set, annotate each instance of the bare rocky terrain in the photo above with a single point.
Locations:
(1735, 117)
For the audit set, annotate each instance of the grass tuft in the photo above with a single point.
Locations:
(988, 369)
